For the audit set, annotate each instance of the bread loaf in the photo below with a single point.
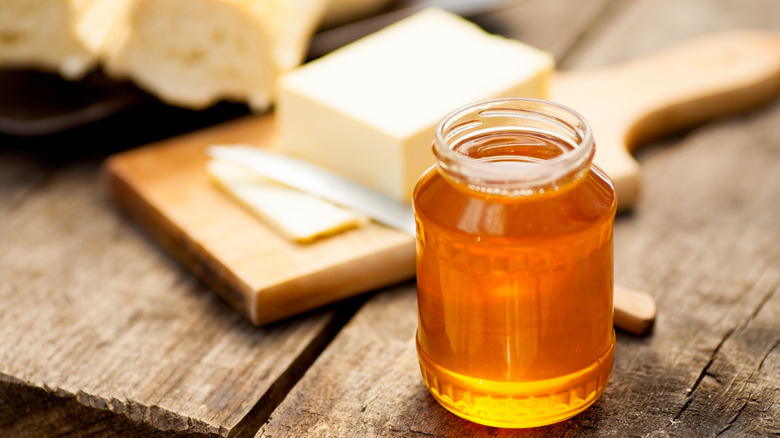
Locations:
(190, 53)
(43, 34)
(193, 53)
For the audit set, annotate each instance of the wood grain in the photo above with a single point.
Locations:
(704, 239)
(20, 175)
(541, 23)
(102, 334)
(100, 329)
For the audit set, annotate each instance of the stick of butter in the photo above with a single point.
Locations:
(369, 110)
(295, 215)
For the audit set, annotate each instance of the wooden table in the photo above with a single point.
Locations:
(102, 332)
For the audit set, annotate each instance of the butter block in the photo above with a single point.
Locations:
(295, 215)
(369, 110)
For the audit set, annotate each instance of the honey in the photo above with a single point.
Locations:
(514, 265)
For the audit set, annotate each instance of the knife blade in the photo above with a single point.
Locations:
(320, 182)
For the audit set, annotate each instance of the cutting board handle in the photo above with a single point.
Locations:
(669, 90)
(635, 311)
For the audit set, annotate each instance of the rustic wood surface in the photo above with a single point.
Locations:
(704, 238)
(103, 333)
(95, 316)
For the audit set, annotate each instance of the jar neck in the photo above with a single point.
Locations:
(513, 147)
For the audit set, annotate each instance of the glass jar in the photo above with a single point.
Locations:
(514, 265)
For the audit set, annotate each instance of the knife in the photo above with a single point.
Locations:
(634, 310)
(315, 180)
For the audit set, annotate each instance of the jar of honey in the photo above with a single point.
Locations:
(515, 265)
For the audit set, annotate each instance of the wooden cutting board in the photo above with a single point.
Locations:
(165, 189)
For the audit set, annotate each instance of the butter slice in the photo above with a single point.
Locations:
(295, 215)
(369, 110)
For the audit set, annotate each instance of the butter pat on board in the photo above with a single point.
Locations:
(369, 110)
(297, 216)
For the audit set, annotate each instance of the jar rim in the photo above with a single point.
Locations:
(538, 116)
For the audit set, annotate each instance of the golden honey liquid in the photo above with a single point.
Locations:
(515, 292)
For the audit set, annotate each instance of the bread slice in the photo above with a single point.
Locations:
(43, 34)
(193, 53)
(98, 19)
(190, 53)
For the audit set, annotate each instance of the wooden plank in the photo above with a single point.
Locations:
(737, 393)
(633, 28)
(104, 333)
(540, 23)
(19, 174)
(708, 255)
(704, 239)
(367, 382)
(711, 258)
